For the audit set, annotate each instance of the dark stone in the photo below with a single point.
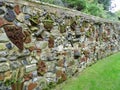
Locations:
(2, 11)
(15, 34)
(76, 54)
(9, 6)
(9, 45)
(1, 4)
(10, 15)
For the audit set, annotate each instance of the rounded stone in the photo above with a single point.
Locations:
(10, 15)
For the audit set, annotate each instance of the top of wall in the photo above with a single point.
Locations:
(65, 11)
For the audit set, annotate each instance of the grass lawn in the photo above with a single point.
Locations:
(104, 75)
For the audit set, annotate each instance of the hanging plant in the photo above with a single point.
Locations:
(73, 24)
(62, 28)
(82, 29)
(27, 36)
(48, 22)
(88, 34)
(34, 20)
(85, 24)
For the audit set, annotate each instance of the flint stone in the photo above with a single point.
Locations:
(2, 59)
(51, 66)
(24, 62)
(25, 53)
(30, 68)
(1, 3)
(9, 45)
(15, 64)
(27, 17)
(50, 75)
(4, 53)
(10, 15)
(4, 67)
(42, 44)
(12, 58)
(34, 61)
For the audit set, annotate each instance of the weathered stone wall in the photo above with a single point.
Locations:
(42, 45)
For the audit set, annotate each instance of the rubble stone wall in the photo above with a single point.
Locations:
(43, 45)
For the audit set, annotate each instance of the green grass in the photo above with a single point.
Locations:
(104, 75)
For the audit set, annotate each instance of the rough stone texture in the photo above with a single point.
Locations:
(42, 45)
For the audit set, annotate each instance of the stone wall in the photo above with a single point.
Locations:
(43, 45)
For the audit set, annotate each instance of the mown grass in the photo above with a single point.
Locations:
(104, 75)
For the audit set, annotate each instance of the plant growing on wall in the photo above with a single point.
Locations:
(48, 22)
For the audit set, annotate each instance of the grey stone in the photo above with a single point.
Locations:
(41, 44)
(24, 62)
(1, 3)
(4, 53)
(2, 59)
(4, 67)
(15, 64)
(10, 15)
(30, 68)
(12, 58)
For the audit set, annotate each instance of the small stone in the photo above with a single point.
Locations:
(42, 68)
(50, 75)
(1, 3)
(17, 9)
(12, 58)
(24, 62)
(9, 45)
(33, 61)
(31, 86)
(2, 59)
(33, 29)
(27, 17)
(10, 15)
(4, 67)
(4, 53)
(20, 17)
(41, 44)
(30, 68)
(15, 64)
(2, 46)
(9, 6)
(2, 11)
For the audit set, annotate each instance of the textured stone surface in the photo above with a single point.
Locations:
(42, 45)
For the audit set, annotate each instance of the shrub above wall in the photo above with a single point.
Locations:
(43, 45)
